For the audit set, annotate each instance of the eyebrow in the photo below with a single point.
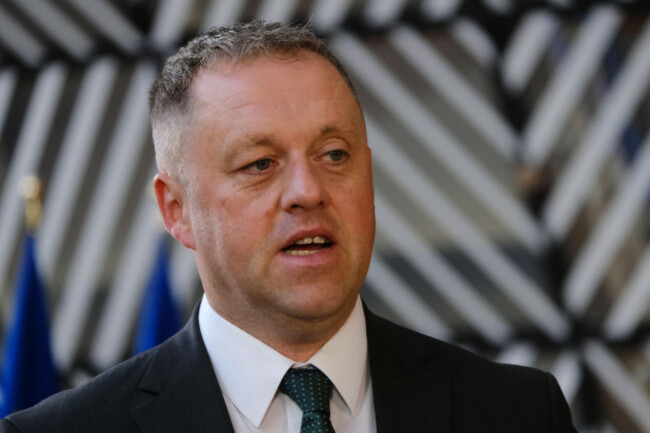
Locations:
(234, 149)
(257, 141)
(332, 129)
(261, 140)
(268, 140)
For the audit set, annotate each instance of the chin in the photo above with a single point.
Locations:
(313, 305)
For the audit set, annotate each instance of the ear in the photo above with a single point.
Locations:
(174, 208)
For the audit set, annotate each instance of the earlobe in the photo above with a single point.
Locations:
(173, 206)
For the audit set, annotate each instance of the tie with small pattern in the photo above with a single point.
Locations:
(311, 390)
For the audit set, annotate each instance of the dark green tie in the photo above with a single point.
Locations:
(311, 390)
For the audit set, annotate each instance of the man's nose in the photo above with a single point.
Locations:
(303, 188)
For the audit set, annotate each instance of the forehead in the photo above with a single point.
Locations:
(306, 76)
(270, 93)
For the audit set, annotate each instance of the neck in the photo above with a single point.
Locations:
(298, 352)
(298, 340)
(295, 338)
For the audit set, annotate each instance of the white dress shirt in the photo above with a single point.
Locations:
(249, 373)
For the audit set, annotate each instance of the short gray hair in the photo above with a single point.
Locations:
(170, 95)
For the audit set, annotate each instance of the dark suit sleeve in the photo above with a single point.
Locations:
(7, 427)
(560, 414)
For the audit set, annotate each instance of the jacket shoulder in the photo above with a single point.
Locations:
(98, 406)
(483, 395)
(7, 427)
(467, 368)
(456, 358)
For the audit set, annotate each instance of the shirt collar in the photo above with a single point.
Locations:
(344, 358)
(243, 363)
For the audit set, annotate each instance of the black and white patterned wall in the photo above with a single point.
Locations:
(512, 170)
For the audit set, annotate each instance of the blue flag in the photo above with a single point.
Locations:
(29, 374)
(160, 317)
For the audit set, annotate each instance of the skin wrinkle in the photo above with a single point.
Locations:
(239, 146)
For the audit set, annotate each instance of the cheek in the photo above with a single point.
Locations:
(366, 214)
(358, 212)
(252, 209)
(246, 222)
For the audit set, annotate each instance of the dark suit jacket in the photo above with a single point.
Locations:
(419, 385)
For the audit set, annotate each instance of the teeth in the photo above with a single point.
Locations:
(300, 252)
(310, 240)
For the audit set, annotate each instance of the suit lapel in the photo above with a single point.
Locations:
(411, 389)
(180, 391)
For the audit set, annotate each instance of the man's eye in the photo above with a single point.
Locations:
(262, 164)
(337, 155)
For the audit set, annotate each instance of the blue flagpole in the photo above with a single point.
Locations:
(29, 374)
(160, 315)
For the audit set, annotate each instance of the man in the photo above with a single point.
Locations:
(265, 173)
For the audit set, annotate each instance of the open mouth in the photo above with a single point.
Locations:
(307, 245)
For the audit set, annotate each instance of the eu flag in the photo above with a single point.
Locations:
(160, 317)
(29, 374)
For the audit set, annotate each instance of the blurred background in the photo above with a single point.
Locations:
(512, 170)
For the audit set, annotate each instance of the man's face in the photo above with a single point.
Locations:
(281, 204)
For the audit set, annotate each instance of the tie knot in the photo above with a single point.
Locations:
(309, 388)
